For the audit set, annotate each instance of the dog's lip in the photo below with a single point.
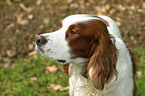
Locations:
(62, 61)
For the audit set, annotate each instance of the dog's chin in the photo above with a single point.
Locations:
(41, 51)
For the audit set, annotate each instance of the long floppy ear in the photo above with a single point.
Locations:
(102, 64)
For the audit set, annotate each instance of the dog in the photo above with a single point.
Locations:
(92, 52)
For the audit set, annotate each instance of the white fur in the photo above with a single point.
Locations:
(57, 48)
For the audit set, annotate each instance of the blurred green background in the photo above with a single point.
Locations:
(23, 72)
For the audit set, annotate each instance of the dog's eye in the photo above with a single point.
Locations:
(73, 32)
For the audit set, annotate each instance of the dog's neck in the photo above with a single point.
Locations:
(82, 63)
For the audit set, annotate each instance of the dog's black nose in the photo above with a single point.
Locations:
(40, 40)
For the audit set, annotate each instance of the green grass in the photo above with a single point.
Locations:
(16, 79)
(140, 81)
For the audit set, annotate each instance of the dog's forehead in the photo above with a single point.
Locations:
(72, 19)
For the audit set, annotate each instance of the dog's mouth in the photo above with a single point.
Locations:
(62, 61)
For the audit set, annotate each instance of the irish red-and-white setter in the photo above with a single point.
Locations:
(94, 55)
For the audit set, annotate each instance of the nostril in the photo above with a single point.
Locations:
(43, 40)
(40, 40)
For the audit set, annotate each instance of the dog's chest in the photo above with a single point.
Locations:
(79, 85)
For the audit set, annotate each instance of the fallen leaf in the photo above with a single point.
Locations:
(121, 7)
(33, 78)
(107, 7)
(30, 16)
(31, 46)
(7, 60)
(19, 17)
(6, 65)
(69, 1)
(58, 87)
(139, 74)
(11, 53)
(112, 11)
(74, 5)
(131, 37)
(55, 86)
(23, 22)
(132, 7)
(38, 2)
(9, 26)
(32, 53)
(64, 88)
(140, 10)
(143, 4)
(135, 41)
(51, 68)
(46, 21)
(27, 9)
(17, 30)
(8, 2)
(103, 9)
(118, 23)
(41, 26)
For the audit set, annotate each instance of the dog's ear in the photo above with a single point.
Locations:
(102, 64)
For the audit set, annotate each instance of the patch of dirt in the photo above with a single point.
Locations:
(22, 20)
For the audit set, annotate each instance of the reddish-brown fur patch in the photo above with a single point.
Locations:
(65, 68)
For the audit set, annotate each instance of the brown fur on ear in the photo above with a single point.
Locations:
(102, 64)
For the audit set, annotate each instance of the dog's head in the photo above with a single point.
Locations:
(82, 38)
(71, 41)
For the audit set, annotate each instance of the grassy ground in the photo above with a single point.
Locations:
(140, 77)
(31, 78)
